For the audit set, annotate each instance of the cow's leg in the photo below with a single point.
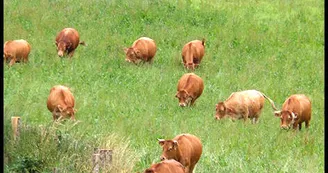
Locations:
(307, 124)
(299, 126)
(12, 61)
(191, 168)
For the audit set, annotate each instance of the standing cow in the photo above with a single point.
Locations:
(295, 110)
(184, 148)
(192, 53)
(16, 51)
(190, 87)
(166, 166)
(61, 102)
(243, 104)
(67, 41)
(143, 49)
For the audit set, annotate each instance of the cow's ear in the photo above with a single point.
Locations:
(56, 43)
(161, 141)
(69, 45)
(177, 94)
(60, 108)
(277, 113)
(186, 92)
(137, 52)
(229, 110)
(125, 50)
(175, 144)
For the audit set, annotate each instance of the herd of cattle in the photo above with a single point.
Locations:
(181, 153)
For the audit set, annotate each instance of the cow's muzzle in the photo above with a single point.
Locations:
(60, 53)
(162, 158)
(284, 127)
(182, 104)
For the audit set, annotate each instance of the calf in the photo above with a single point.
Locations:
(16, 51)
(143, 49)
(67, 41)
(61, 102)
(190, 87)
(192, 53)
(166, 166)
(184, 148)
(295, 110)
(243, 104)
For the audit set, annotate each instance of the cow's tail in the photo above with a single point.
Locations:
(83, 43)
(203, 41)
(271, 102)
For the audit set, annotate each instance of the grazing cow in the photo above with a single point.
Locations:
(143, 49)
(243, 104)
(295, 110)
(67, 41)
(16, 51)
(192, 53)
(190, 87)
(184, 148)
(61, 102)
(166, 166)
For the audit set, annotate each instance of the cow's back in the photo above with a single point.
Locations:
(146, 46)
(69, 35)
(60, 95)
(19, 48)
(195, 48)
(190, 146)
(251, 99)
(300, 104)
(166, 166)
(192, 83)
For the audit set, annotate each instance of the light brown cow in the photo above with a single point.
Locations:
(243, 104)
(61, 102)
(184, 148)
(67, 41)
(166, 166)
(143, 49)
(295, 110)
(192, 53)
(190, 87)
(16, 51)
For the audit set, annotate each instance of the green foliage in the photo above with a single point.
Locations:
(273, 46)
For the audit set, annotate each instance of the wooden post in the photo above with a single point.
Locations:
(16, 125)
(101, 159)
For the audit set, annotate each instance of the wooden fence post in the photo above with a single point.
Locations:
(16, 125)
(101, 159)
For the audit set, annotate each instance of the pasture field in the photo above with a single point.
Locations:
(276, 47)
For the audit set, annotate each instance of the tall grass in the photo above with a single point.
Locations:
(273, 46)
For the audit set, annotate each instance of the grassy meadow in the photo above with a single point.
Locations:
(276, 47)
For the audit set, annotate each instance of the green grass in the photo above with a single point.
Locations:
(276, 47)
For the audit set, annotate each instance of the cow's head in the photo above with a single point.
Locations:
(222, 111)
(6, 56)
(184, 98)
(170, 149)
(66, 112)
(62, 48)
(132, 54)
(287, 118)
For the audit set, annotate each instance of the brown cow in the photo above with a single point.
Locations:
(243, 104)
(295, 110)
(192, 53)
(166, 166)
(16, 51)
(67, 41)
(143, 49)
(190, 87)
(184, 148)
(61, 102)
